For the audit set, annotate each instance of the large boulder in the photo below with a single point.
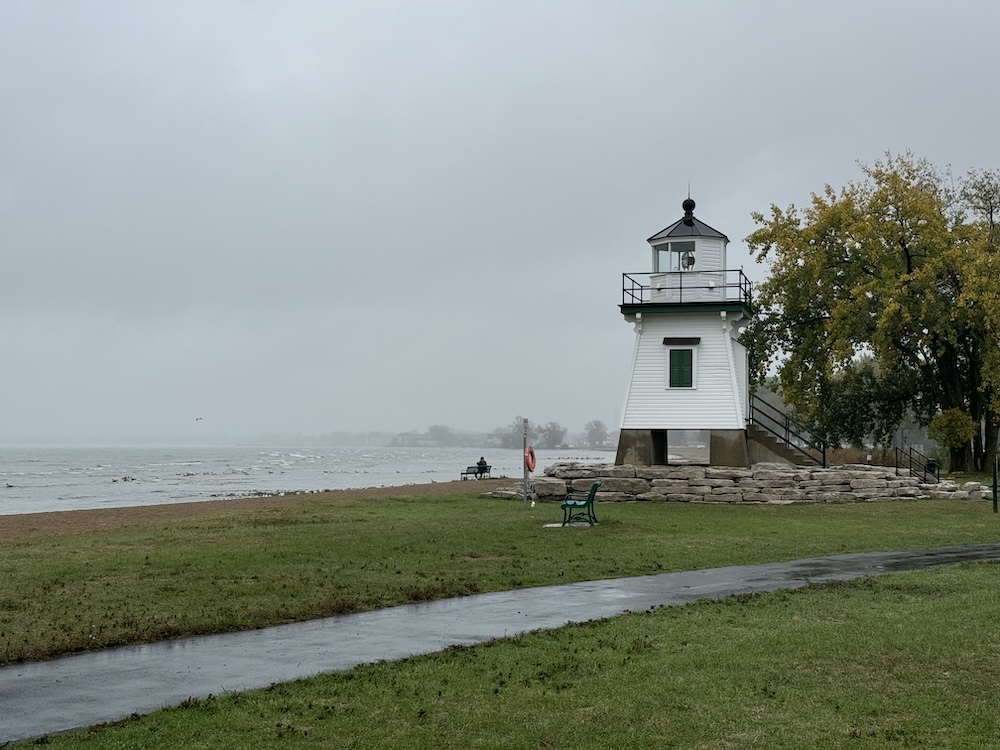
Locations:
(547, 487)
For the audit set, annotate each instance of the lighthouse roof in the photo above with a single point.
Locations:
(688, 226)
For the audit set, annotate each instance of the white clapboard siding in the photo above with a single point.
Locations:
(713, 403)
(709, 256)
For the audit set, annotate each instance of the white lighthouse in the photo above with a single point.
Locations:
(689, 370)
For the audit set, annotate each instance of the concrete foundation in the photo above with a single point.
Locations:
(728, 448)
(651, 448)
(635, 447)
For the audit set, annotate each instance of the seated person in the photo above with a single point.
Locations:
(481, 467)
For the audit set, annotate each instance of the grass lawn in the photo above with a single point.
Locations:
(316, 558)
(907, 660)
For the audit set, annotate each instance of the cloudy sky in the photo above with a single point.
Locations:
(381, 215)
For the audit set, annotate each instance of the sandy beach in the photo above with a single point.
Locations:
(26, 525)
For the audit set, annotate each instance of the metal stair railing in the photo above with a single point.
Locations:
(917, 464)
(793, 435)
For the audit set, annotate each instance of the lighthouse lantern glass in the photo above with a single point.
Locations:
(674, 256)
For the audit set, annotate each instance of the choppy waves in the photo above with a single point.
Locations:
(46, 479)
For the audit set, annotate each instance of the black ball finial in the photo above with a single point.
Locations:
(688, 206)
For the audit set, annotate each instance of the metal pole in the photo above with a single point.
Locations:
(524, 460)
(996, 470)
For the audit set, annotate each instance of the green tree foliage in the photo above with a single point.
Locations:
(952, 428)
(883, 299)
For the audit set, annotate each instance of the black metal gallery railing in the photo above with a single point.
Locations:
(686, 287)
(794, 436)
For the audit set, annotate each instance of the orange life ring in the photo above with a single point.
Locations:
(529, 458)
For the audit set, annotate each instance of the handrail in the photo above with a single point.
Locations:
(916, 463)
(793, 435)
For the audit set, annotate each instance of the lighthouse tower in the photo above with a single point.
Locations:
(689, 370)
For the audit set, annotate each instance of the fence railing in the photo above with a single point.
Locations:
(795, 436)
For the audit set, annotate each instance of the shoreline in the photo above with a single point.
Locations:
(59, 522)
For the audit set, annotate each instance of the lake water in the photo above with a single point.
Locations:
(46, 478)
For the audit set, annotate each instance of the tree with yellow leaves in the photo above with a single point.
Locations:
(884, 299)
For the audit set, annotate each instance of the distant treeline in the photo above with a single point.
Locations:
(548, 435)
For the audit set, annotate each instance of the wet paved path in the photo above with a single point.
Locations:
(75, 691)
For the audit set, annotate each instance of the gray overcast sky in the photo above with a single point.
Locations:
(320, 216)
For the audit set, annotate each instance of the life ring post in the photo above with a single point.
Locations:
(529, 458)
(527, 447)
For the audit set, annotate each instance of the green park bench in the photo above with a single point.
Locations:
(579, 506)
(476, 471)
